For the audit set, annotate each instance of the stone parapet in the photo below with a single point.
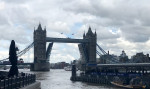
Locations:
(36, 85)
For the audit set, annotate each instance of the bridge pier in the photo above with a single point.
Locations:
(40, 66)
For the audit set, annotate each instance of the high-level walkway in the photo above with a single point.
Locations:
(125, 65)
(66, 40)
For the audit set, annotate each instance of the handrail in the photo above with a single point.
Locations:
(17, 82)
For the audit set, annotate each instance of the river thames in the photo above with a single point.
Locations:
(60, 79)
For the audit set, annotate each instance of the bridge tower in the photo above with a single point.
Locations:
(40, 62)
(88, 50)
(91, 46)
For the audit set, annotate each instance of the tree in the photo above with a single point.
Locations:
(13, 60)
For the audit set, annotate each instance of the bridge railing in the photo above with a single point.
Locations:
(17, 82)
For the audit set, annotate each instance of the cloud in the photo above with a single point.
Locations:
(119, 24)
(127, 15)
(64, 52)
(136, 33)
(59, 26)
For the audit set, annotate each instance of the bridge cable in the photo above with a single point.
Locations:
(19, 54)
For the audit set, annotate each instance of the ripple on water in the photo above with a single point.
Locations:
(60, 79)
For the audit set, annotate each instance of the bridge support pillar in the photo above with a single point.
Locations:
(40, 67)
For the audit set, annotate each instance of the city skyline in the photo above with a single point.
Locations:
(120, 25)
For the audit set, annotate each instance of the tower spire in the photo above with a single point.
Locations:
(84, 34)
(45, 28)
(90, 31)
(95, 32)
(39, 27)
(34, 29)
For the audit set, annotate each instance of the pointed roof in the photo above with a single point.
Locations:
(90, 31)
(39, 27)
(95, 32)
(84, 34)
(34, 29)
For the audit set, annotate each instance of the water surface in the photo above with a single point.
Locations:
(60, 79)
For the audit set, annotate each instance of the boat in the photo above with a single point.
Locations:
(68, 68)
(135, 83)
(129, 86)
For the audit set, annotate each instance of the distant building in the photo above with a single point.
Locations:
(108, 59)
(123, 58)
(59, 65)
(140, 58)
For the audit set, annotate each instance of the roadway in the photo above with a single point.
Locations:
(18, 63)
(125, 65)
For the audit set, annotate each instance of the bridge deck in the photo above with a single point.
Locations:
(66, 40)
(125, 65)
(18, 64)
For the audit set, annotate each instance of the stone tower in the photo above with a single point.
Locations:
(40, 63)
(39, 44)
(91, 46)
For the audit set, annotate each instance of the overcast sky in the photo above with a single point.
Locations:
(120, 25)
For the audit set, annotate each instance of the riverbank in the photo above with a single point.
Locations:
(36, 85)
(59, 78)
(130, 79)
(96, 80)
(23, 81)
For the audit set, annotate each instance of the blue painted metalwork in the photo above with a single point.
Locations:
(125, 65)
(48, 52)
(17, 64)
(66, 40)
(25, 50)
(85, 52)
(101, 49)
(19, 54)
(98, 53)
(91, 64)
(110, 58)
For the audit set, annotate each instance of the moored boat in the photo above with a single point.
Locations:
(68, 68)
(129, 86)
(135, 83)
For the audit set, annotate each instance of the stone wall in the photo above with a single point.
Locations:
(36, 85)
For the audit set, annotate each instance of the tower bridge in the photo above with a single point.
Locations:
(41, 55)
(87, 48)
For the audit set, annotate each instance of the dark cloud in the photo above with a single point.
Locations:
(121, 14)
(136, 33)
(17, 34)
